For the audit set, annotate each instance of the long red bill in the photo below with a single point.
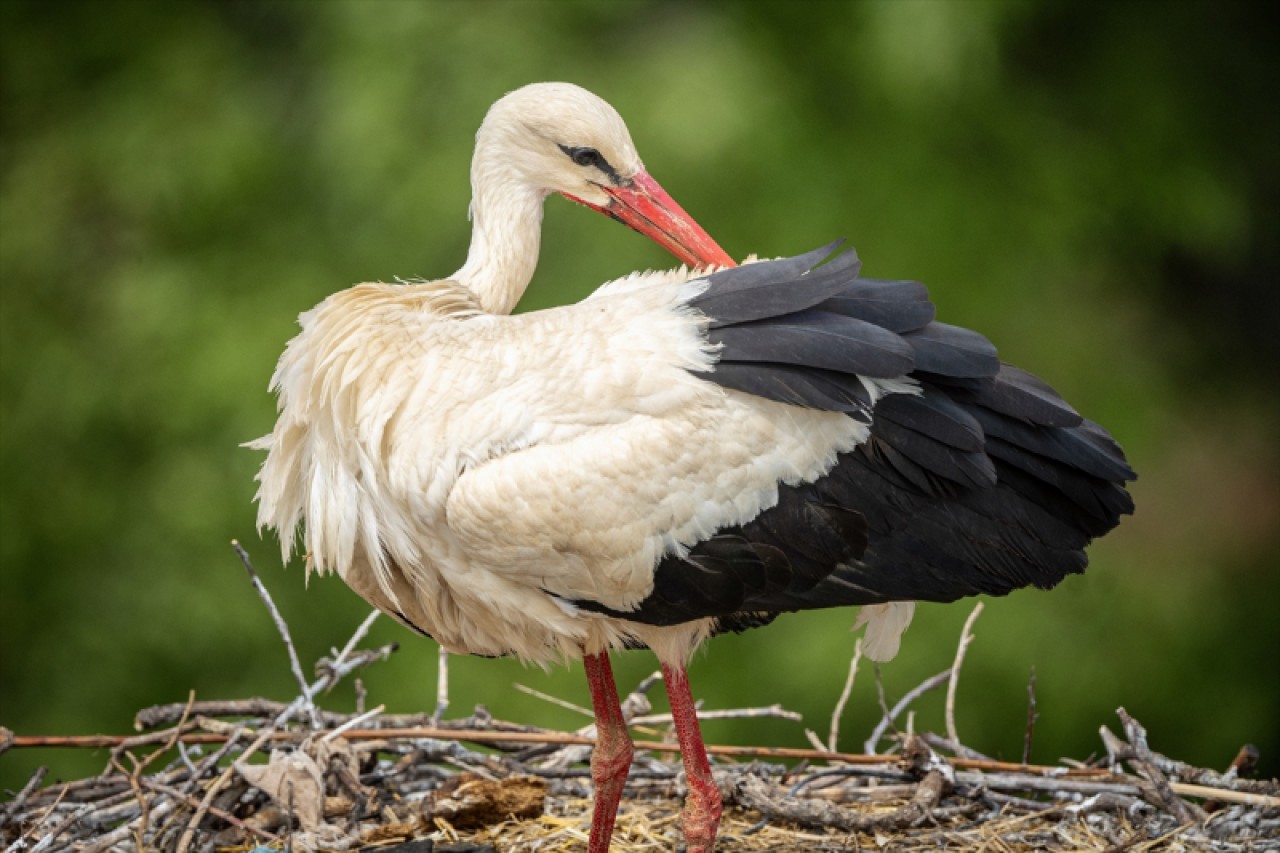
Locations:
(644, 206)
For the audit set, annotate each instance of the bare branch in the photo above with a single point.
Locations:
(887, 719)
(1145, 764)
(294, 665)
(966, 637)
(833, 736)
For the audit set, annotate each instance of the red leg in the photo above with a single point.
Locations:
(701, 816)
(611, 757)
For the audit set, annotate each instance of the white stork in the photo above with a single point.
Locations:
(677, 455)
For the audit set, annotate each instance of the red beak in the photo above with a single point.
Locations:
(645, 207)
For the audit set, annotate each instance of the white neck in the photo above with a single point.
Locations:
(506, 216)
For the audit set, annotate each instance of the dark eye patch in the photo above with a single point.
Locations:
(590, 158)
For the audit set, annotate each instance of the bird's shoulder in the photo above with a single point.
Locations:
(439, 298)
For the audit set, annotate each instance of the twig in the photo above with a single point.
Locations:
(1032, 715)
(636, 703)
(769, 711)
(1118, 750)
(1013, 781)
(554, 700)
(20, 798)
(931, 683)
(216, 812)
(756, 794)
(361, 630)
(1145, 765)
(332, 673)
(158, 715)
(361, 695)
(1244, 798)
(214, 758)
(110, 839)
(21, 842)
(135, 775)
(352, 723)
(834, 734)
(184, 841)
(957, 749)
(563, 739)
(814, 741)
(308, 703)
(966, 637)
(881, 699)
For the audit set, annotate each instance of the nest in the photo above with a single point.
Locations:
(240, 776)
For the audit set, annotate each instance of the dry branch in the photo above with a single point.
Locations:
(888, 718)
(966, 637)
(295, 666)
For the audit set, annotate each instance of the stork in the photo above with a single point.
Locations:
(680, 454)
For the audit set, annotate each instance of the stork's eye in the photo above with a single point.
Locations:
(588, 157)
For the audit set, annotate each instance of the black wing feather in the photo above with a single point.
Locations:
(1019, 394)
(749, 292)
(935, 415)
(826, 390)
(816, 338)
(898, 306)
(952, 351)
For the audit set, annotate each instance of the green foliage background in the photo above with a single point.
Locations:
(1093, 186)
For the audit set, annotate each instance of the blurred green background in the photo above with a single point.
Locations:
(1093, 186)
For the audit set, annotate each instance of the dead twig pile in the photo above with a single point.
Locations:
(241, 775)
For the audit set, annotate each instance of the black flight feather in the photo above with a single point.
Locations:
(952, 351)
(898, 306)
(816, 338)
(749, 292)
(934, 414)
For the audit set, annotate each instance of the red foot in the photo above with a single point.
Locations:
(611, 757)
(701, 817)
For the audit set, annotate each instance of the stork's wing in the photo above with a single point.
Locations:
(983, 482)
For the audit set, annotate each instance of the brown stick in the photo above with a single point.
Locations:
(560, 739)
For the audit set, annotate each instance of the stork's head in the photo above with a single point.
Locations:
(560, 138)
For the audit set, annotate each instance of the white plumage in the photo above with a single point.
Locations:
(453, 486)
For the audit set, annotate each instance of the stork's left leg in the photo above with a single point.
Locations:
(701, 816)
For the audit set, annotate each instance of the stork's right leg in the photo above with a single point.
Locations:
(611, 757)
(701, 817)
